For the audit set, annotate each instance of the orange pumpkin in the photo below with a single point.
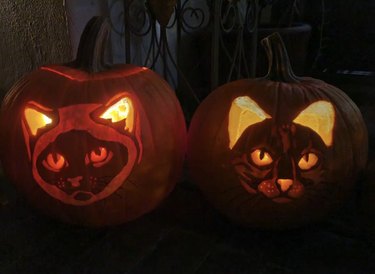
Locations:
(91, 144)
(278, 151)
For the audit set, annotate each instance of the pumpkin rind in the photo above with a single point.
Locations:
(210, 157)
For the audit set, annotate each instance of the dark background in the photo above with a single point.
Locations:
(185, 234)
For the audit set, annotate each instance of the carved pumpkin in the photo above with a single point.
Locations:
(278, 151)
(91, 144)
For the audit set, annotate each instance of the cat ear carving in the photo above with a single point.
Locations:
(120, 109)
(36, 117)
(320, 117)
(243, 113)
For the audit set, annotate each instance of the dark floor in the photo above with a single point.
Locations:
(185, 235)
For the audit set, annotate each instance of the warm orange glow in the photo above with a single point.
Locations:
(307, 161)
(261, 158)
(119, 111)
(36, 120)
(320, 117)
(284, 184)
(81, 76)
(243, 113)
(58, 72)
(54, 162)
(98, 155)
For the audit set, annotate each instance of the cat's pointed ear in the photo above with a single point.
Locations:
(36, 117)
(121, 109)
(243, 113)
(320, 117)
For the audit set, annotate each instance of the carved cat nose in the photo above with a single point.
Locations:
(76, 181)
(285, 184)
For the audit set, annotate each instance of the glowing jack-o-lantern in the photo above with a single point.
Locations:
(110, 151)
(278, 151)
(92, 144)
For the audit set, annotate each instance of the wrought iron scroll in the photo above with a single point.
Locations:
(161, 25)
(233, 21)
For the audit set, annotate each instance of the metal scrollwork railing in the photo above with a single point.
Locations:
(234, 21)
(160, 28)
(230, 16)
(191, 18)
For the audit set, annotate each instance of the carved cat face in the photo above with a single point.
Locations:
(83, 153)
(280, 161)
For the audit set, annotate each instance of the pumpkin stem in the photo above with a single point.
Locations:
(279, 68)
(92, 45)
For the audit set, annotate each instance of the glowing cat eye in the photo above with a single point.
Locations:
(100, 156)
(308, 161)
(261, 157)
(54, 162)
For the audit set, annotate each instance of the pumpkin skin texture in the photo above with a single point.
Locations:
(93, 147)
(276, 152)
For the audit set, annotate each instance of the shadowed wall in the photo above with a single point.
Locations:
(33, 33)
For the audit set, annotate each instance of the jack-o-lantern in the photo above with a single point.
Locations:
(278, 151)
(92, 144)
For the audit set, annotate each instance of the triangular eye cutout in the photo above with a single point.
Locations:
(36, 119)
(120, 109)
(320, 117)
(243, 113)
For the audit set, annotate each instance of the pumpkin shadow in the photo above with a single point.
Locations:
(184, 231)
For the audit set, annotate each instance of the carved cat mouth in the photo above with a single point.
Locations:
(82, 195)
(92, 185)
(270, 191)
(79, 174)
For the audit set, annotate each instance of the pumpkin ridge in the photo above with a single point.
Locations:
(82, 76)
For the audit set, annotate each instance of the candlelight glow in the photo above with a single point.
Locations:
(243, 113)
(320, 117)
(119, 111)
(36, 120)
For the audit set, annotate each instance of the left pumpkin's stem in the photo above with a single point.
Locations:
(91, 53)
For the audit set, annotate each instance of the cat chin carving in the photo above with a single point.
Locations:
(275, 189)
